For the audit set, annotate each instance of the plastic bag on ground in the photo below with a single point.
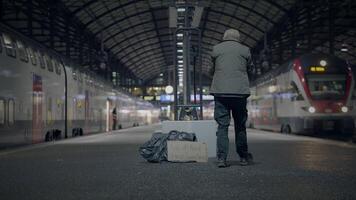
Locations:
(155, 150)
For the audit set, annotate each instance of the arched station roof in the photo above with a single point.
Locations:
(137, 33)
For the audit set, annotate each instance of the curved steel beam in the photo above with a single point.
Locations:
(109, 11)
(151, 30)
(139, 41)
(157, 31)
(150, 44)
(277, 6)
(142, 57)
(125, 18)
(212, 21)
(139, 60)
(143, 61)
(236, 18)
(154, 66)
(149, 68)
(130, 27)
(135, 35)
(151, 65)
(206, 58)
(149, 50)
(150, 10)
(154, 61)
(251, 10)
(83, 7)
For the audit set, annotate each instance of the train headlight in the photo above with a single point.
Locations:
(311, 109)
(344, 109)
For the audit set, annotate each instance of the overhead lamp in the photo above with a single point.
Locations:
(180, 57)
(180, 50)
(169, 89)
(179, 34)
(181, 9)
(180, 43)
(323, 63)
(344, 48)
(180, 61)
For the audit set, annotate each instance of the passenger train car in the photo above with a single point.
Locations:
(42, 96)
(309, 94)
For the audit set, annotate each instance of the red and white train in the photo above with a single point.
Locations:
(41, 92)
(311, 93)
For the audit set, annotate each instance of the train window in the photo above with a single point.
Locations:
(2, 112)
(22, 51)
(49, 110)
(0, 46)
(11, 114)
(41, 59)
(49, 63)
(74, 75)
(296, 95)
(61, 66)
(80, 77)
(354, 93)
(58, 67)
(32, 56)
(10, 45)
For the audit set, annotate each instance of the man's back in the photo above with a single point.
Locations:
(230, 88)
(231, 60)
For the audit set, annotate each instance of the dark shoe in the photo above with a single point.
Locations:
(247, 161)
(222, 163)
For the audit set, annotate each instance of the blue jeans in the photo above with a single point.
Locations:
(223, 107)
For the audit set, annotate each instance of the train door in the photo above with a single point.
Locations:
(100, 118)
(149, 117)
(86, 112)
(37, 101)
(109, 117)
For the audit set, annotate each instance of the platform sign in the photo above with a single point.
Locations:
(166, 98)
(317, 69)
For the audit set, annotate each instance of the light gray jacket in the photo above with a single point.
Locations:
(231, 63)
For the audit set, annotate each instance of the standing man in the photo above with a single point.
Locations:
(230, 88)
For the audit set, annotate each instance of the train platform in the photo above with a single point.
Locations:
(108, 166)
